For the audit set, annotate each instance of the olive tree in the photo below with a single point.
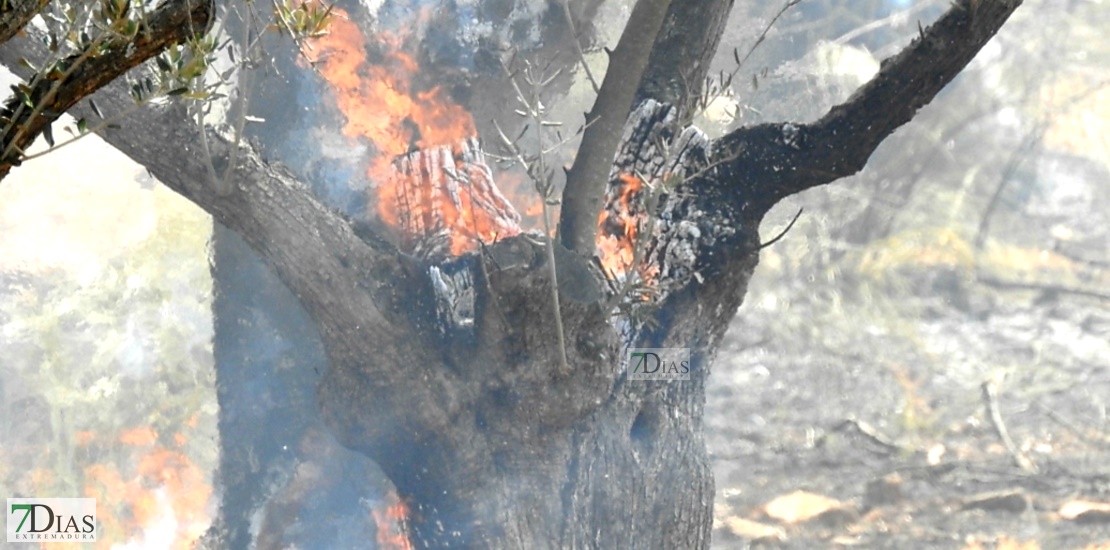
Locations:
(526, 429)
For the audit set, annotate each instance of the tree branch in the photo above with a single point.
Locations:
(682, 53)
(14, 15)
(789, 158)
(313, 250)
(589, 175)
(61, 87)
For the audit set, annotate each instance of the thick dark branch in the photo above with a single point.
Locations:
(784, 159)
(682, 53)
(79, 76)
(14, 15)
(589, 175)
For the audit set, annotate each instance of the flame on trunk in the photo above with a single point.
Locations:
(391, 519)
(380, 100)
(618, 227)
(429, 176)
(431, 183)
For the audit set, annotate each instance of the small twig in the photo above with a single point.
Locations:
(537, 171)
(224, 185)
(763, 35)
(784, 231)
(105, 123)
(740, 62)
(55, 57)
(47, 98)
(991, 401)
(549, 243)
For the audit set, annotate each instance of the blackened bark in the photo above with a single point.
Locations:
(784, 159)
(673, 70)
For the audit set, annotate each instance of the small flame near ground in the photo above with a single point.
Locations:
(153, 496)
(392, 521)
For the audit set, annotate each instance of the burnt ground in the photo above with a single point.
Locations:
(870, 391)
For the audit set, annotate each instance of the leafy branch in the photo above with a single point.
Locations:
(124, 38)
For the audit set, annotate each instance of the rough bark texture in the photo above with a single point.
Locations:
(492, 443)
(14, 14)
(678, 66)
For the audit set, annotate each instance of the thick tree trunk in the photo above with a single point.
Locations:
(538, 457)
(268, 360)
(491, 440)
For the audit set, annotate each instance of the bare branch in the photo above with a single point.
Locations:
(588, 176)
(790, 158)
(782, 233)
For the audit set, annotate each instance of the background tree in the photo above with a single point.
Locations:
(508, 427)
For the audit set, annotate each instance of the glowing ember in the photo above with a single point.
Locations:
(445, 201)
(618, 226)
(391, 520)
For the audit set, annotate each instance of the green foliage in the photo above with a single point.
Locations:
(302, 20)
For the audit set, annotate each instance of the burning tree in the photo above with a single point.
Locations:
(483, 367)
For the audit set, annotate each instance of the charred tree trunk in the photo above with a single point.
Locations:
(469, 411)
(530, 455)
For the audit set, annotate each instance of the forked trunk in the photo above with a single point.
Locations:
(517, 451)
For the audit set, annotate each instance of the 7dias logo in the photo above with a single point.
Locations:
(659, 364)
(40, 520)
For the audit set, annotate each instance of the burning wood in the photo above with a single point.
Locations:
(432, 184)
(430, 176)
(444, 202)
(647, 227)
(392, 519)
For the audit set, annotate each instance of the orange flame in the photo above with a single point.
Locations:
(391, 520)
(383, 104)
(379, 100)
(618, 226)
(163, 495)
